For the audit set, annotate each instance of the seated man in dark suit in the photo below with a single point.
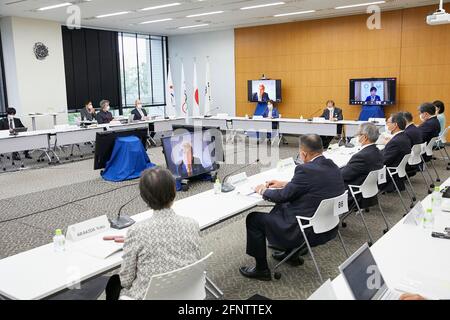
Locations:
(10, 123)
(315, 180)
(368, 159)
(397, 147)
(139, 112)
(334, 114)
(430, 126)
(415, 135)
(190, 165)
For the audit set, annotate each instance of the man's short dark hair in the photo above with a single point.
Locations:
(311, 143)
(11, 111)
(427, 107)
(87, 102)
(408, 116)
(439, 105)
(373, 89)
(157, 188)
(399, 120)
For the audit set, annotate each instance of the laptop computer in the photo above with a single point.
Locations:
(363, 277)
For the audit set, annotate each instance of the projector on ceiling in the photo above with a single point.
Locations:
(439, 17)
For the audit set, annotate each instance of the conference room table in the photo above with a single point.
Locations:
(410, 260)
(290, 126)
(53, 272)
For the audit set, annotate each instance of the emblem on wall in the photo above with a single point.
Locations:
(40, 51)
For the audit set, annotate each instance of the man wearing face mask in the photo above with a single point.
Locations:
(397, 147)
(10, 123)
(430, 126)
(88, 112)
(139, 112)
(368, 159)
(104, 115)
(317, 179)
(333, 114)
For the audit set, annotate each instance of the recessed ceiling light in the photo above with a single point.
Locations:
(59, 5)
(154, 21)
(112, 14)
(360, 5)
(204, 14)
(161, 6)
(263, 5)
(294, 13)
(194, 26)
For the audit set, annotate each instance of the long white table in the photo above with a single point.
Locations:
(410, 260)
(53, 272)
(18, 281)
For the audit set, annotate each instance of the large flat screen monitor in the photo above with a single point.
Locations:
(189, 154)
(104, 143)
(264, 90)
(373, 91)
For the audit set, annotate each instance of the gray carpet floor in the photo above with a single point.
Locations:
(41, 199)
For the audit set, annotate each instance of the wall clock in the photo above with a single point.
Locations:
(40, 51)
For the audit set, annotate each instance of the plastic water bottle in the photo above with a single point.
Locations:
(428, 219)
(436, 198)
(59, 241)
(217, 187)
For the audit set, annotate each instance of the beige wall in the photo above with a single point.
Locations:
(34, 85)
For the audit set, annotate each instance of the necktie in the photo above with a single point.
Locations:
(11, 124)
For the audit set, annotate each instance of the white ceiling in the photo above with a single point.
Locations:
(231, 18)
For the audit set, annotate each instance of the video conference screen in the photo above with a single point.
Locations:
(264, 90)
(190, 154)
(380, 91)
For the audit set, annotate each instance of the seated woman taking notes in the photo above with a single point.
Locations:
(162, 243)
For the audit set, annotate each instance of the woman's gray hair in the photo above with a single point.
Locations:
(370, 131)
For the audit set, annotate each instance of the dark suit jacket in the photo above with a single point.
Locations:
(264, 98)
(369, 98)
(197, 168)
(396, 149)
(414, 134)
(85, 115)
(137, 115)
(4, 123)
(337, 113)
(312, 182)
(361, 164)
(430, 129)
(104, 117)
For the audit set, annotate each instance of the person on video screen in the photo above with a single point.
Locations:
(261, 95)
(190, 166)
(373, 98)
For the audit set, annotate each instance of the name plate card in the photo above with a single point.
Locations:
(86, 229)
(237, 178)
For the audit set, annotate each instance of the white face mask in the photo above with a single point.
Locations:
(330, 108)
(10, 117)
(270, 106)
(139, 106)
(422, 117)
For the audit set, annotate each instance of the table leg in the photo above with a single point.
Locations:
(33, 123)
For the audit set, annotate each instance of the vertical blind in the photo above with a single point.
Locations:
(3, 99)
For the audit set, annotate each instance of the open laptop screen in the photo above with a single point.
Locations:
(362, 274)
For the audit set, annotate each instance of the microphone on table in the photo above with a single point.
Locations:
(122, 221)
(209, 115)
(228, 187)
(314, 113)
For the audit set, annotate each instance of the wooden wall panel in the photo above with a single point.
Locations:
(315, 60)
